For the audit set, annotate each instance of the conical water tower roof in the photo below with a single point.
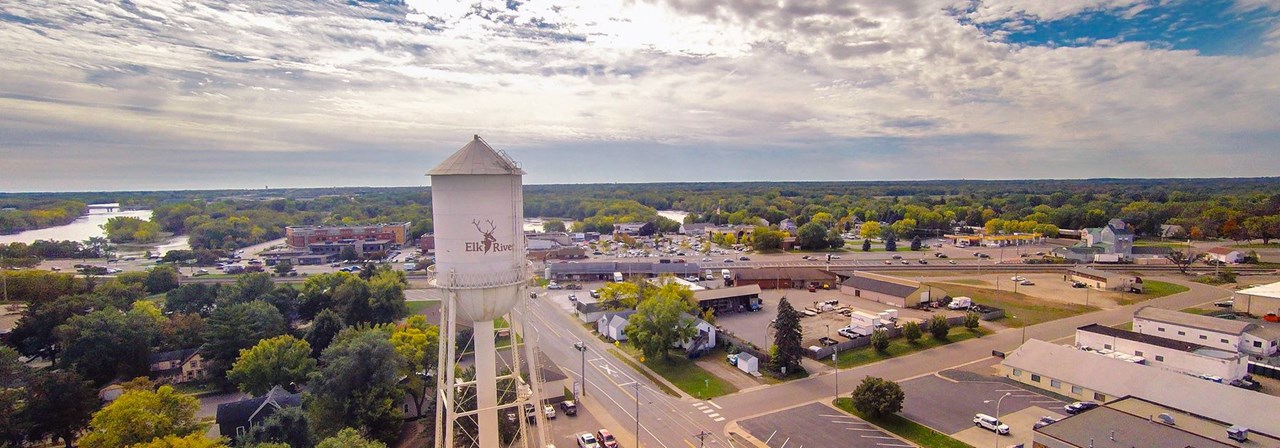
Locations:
(476, 158)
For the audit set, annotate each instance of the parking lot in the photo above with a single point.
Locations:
(948, 406)
(818, 425)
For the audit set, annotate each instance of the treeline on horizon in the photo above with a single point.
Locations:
(1237, 208)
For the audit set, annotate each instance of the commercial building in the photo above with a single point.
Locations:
(1084, 375)
(1112, 243)
(1257, 300)
(892, 291)
(604, 270)
(1179, 356)
(635, 228)
(1131, 422)
(784, 278)
(1104, 280)
(1224, 334)
(1016, 239)
(305, 236)
(728, 300)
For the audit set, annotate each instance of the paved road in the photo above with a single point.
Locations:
(759, 401)
(818, 425)
(665, 421)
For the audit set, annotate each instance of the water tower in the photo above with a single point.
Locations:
(478, 211)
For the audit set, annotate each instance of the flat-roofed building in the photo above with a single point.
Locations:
(1106, 427)
(1257, 300)
(1224, 334)
(783, 278)
(1085, 375)
(1179, 356)
(304, 236)
(728, 300)
(1104, 280)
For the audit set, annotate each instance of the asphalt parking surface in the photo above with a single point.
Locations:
(818, 425)
(949, 407)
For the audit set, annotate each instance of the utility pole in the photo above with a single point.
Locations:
(701, 435)
(637, 385)
(582, 348)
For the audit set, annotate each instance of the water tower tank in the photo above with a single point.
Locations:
(477, 207)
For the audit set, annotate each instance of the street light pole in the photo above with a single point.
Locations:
(1002, 397)
(582, 348)
(637, 384)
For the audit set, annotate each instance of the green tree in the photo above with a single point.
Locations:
(351, 300)
(35, 335)
(323, 329)
(911, 331)
(14, 382)
(283, 267)
(891, 243)
(105, 344)
(161, 279)
(915, 243)
(877, 397)
(237, 327)
(195, 440)
(289, 426)
(620, 295)
(553, 225)
(348, 253)
(193, 298)
(138, 416)
(812, 236)
(880, 340)
(59, 407)
(418, 344)
(386, 297)
(661, 320)
(357, 386)
(247, 288)
(349, 438)
(870, 229)
(181, 331)
(127, 229)
(971, 320)
(938, 327)
(1183, 259)
(786, 339)
(866, 245)
(763, 238)
(278, 361)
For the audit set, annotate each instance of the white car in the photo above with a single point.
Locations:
(588, 440)
(1017, 278)
(990, 423)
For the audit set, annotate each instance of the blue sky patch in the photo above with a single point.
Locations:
(1211, 27)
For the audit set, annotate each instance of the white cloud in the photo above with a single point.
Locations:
(313, 77)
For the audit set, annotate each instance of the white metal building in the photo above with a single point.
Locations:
(1179, 356)
(1224, 334)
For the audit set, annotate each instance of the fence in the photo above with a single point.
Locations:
(820, 353)
(740, 346)
(1267, 370)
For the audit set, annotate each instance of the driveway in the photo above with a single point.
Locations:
(818, 425)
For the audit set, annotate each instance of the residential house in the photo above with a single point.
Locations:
(1249, 338)
(1224, 255)
(178, 366)
(1172, 231)
(703, 340)
(236, 418)
(893, 291)
(787, 225)
(614, 325)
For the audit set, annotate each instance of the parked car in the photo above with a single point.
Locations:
(1077, 285)
(744, 258)
(1044, 421)
(732, 359)
(595, 294)
(923, 261)
(1246, 383)
(569, 407)
(530, 413)
(554, 285)
(1079, 406)
(1225, 303)
(990, 423)
(573, 297)
(1017, 278)
(549, 411)
(606, 439)
(1027, 283)
(588, 440)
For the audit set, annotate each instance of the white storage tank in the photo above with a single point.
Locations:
(476, 206)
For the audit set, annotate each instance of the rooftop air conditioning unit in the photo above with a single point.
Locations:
(1166, 419)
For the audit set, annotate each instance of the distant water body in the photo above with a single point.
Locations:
(89, 226)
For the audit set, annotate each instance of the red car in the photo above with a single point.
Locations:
(606, 439)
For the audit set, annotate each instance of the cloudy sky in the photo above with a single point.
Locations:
(155, 94)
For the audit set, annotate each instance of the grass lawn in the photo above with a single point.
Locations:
(1028, 310)
(636, 366)
(1127, 326)
(1200, 311)
(1154, 288)
(685, 374)
(970, 281)
(417, 307)
(1258, 246)
(900, 346)
(1168, 244)
(907, 429)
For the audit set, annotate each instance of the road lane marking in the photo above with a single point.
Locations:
(892, 444)
(714, 404)
(863, 429)
(831, 415)
(718, 419)
(878, 437)
(713, 415)
(708, 411)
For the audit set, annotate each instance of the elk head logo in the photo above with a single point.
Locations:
(488, 241)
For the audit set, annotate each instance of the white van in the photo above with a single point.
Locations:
(990, 423)
(617, 276)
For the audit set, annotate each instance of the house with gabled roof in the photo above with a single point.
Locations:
(236, 418)
(178, 366)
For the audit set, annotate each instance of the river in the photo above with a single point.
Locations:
(89, 226)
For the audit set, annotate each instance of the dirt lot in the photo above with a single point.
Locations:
(1049, 287)
(9, 315)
